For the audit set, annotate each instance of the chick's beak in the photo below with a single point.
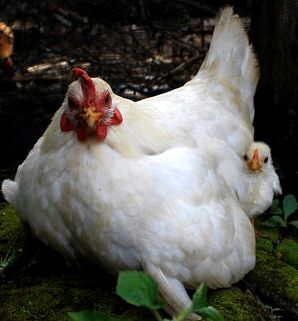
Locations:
(91, 116)
(254, 164)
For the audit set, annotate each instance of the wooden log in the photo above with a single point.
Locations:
(274, 34)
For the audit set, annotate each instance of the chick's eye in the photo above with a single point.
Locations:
(245, 157)
(265, 160)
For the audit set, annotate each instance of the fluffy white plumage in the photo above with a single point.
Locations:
(167, 190)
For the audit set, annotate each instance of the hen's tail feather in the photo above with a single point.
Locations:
(10, 190)
(172, 291)
(231, 57)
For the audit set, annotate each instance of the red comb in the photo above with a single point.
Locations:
(87, 85)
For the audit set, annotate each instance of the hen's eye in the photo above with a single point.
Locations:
(245, 157)
(265, 160)
(73, 102)
(107, 99)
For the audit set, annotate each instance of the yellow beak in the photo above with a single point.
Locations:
(91, 115)
(254, 164)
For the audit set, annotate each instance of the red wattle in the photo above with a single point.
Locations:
(101, 131)
(65, 123)
(117, 118)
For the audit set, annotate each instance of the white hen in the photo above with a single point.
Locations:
(151, 191)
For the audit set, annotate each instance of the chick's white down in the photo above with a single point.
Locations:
(167, 190)
(263, 184)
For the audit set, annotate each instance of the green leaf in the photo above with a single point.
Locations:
(290, 205)
(275, 203)
(183, 314)
(294, 223)
(199, 299)
(276, 211)
(89, 316)
(138, 288)
(277, 220)
(269, 224)
(210, 313)
(274, 221)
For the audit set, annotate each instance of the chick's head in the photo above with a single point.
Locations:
(258, 157)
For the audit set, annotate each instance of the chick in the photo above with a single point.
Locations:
(263, 181)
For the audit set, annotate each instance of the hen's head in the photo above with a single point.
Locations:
(258, 157)
(89, 107)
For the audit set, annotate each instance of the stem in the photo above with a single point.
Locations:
(183, 314)
(157, 315)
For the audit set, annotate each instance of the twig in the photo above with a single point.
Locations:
(181, 42)
(179, 68)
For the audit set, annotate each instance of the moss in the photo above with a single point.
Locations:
(236, 305)
(9, 223)
(264, 244)
(288, 250)
(33, 303)
(275, 280)
(32, 298)
(11, 237)
(292, 291)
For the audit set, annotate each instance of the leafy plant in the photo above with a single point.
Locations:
(139, 289)
(280, 216)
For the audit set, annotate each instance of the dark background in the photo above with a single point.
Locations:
(142, 48)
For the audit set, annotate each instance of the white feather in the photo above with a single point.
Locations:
(231, 59)
(9, 189)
